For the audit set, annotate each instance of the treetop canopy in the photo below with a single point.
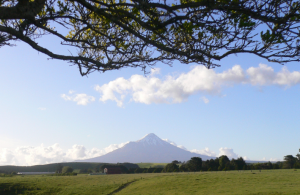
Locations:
(112, 34)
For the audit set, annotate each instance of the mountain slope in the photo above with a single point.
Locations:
(150, 149)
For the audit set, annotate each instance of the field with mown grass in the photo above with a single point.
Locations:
(230, 182)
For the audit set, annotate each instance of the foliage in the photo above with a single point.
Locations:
(238, 164)
(223, 161)
(122, 167)
(152, 165)
(195, 164)
(59, 168)
(171, 167)
(111, 34)
(67, 169)
(289, 161)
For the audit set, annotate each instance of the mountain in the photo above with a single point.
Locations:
(150, 149)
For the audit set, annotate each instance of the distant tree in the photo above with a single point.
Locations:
(123, 168)
(67, 169)
(171, 167)
(176, 162)
(83, 171)
(223, 161)
(289, 161)
(59, 168)
(183, 167)
(97, 168)
(210, 164)
(195, 164)
(237, 164)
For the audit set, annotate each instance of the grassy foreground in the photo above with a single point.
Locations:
(230, 182)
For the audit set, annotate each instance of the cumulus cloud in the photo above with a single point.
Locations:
(80, 99)
(29, 155)
(176, 89)
(246, 158)
(155, 71)
(174, 144)
(205, 100)
(228, 152)
(275, 159)
(42, 108)
(265, 75)
(170, 90)
(205, 151)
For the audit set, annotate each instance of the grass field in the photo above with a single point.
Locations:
(231, 182)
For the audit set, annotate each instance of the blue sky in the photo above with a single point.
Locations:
(48, 113)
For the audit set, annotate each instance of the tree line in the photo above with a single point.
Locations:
(223, 163)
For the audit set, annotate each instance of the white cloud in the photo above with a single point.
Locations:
(246, 158)
(42, 108)
(171, 89)
(205, 100)
(71, 91)
(174, 144)
(76, 152)
(205, 151)
(228, 152)
(176, 89)
(155, 71)
(80, 99)
(275, 159)
(29, 155)
(7, 157)
(182, 147)
(265, 75)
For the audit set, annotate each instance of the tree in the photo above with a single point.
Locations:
(112, 34)
(59, 168)
(223, 161)
(298, 156)
(238, 164)
(195, 164)
(176, 162)
(67, 169)
(171, 167)
(289, 161)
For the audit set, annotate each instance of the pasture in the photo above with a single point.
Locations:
(229, 182)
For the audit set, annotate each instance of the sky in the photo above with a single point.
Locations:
(49, 113)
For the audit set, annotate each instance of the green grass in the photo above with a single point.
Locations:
(152, 165)
(231, 182)
(63, 185)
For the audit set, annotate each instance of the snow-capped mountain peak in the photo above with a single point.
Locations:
(148, 149)
(151, 139)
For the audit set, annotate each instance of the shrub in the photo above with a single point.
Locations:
(67, 169)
